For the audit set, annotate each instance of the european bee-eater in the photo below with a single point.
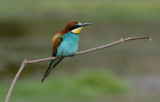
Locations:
(65, 43)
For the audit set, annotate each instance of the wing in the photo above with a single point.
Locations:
(57, 39)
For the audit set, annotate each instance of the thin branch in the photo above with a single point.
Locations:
(93, 49)
(15, 79)
(112, 44)
(78, 53)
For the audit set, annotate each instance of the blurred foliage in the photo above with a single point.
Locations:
(84, 86)
(27, 28)
(117, 10)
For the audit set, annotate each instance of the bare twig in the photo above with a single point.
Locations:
(15, 79)
(78, 53)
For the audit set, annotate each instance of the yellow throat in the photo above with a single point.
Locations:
(77, 30)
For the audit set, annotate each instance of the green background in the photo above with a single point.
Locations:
(124, 73)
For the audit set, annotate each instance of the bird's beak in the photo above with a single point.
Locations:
(85, 24)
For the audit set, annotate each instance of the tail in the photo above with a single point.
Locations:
(52, 65)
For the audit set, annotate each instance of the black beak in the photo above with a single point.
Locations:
(85, 24)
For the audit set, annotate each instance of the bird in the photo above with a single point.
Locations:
(65, 43)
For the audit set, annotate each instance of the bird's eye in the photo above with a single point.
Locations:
(73, 27)
(76, 26)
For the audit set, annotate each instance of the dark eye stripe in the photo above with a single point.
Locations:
(74, 27)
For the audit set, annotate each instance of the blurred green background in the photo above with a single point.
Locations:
(129, 72)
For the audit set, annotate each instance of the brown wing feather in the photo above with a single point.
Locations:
(57, 39)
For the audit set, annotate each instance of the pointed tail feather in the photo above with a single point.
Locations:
(47, 71)
(52, 65)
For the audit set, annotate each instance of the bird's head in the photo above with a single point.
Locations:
(74, 27)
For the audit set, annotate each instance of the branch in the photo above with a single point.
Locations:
(78, 53)
(15, 79)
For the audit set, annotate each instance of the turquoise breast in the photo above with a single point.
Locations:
(69, 45)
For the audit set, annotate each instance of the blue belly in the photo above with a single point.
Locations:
(69, 45)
